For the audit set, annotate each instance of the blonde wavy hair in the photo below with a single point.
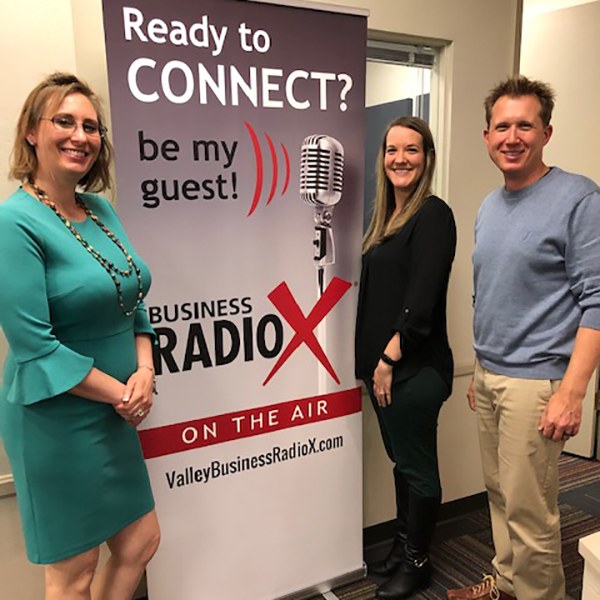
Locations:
(380, 226)
(48, 95)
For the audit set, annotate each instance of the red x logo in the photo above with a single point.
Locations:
(283, 300)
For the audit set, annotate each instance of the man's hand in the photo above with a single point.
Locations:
(471, 396)
(561, 418)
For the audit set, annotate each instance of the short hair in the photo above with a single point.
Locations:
(518, 86)
(50, 93)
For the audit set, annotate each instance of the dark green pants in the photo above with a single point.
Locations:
(409, 428)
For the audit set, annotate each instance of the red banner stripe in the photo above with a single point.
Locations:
(179, 437)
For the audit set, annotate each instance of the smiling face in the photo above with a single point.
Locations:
(516, 138)
(65, 156)
(404, 160)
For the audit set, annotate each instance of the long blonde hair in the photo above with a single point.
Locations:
(380, 227)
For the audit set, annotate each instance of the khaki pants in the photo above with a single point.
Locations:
(521, 476)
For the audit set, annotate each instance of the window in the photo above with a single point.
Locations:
(398, 82)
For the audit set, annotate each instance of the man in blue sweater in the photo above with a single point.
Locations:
(537, 338)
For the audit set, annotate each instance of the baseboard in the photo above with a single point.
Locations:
(463, 506)
(326, 586)
(7, 486)
(449, 511)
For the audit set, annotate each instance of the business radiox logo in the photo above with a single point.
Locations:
(216, 333)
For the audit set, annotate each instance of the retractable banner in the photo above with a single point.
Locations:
(238, 130)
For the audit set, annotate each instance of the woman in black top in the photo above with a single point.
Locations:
(402, 350)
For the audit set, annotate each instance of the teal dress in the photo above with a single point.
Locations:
(78, 468)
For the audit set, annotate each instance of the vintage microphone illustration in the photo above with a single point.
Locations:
(321, 179)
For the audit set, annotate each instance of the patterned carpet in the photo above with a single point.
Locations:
(462, 553)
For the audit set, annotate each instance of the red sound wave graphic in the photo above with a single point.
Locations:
(259, 160)
(286, 158)
(275, 169)
(259, 167)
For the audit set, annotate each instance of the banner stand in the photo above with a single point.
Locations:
(239, 141)
(326, 586)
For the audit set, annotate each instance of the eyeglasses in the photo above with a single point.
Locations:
(68, 124)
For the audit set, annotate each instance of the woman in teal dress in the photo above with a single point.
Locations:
(78, 377)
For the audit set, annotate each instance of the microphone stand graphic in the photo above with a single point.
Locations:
(321, 179)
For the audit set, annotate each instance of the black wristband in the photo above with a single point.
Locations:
(389, 361)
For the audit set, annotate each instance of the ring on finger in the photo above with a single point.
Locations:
(140, 413)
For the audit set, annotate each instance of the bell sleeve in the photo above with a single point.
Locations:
(40, 366)
(141, 324)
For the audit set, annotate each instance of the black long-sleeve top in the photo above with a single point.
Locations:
(403, 287)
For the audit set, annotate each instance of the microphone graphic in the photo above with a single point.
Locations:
(321, 179)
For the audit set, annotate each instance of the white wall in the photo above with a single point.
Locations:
(35, 39)
(388, 82)
(479, 39)
(570, 65)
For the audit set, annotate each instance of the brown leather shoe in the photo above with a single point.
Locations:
(486, 590)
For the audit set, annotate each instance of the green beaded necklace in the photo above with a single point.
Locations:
(108, 266)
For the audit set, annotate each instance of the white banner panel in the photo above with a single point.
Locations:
(222, 111)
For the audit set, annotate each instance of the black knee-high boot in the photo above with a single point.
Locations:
(386, 567)
(414, 573)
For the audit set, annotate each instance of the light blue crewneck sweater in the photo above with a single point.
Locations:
(537, 274)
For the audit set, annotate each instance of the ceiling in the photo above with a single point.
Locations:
(539, 6)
